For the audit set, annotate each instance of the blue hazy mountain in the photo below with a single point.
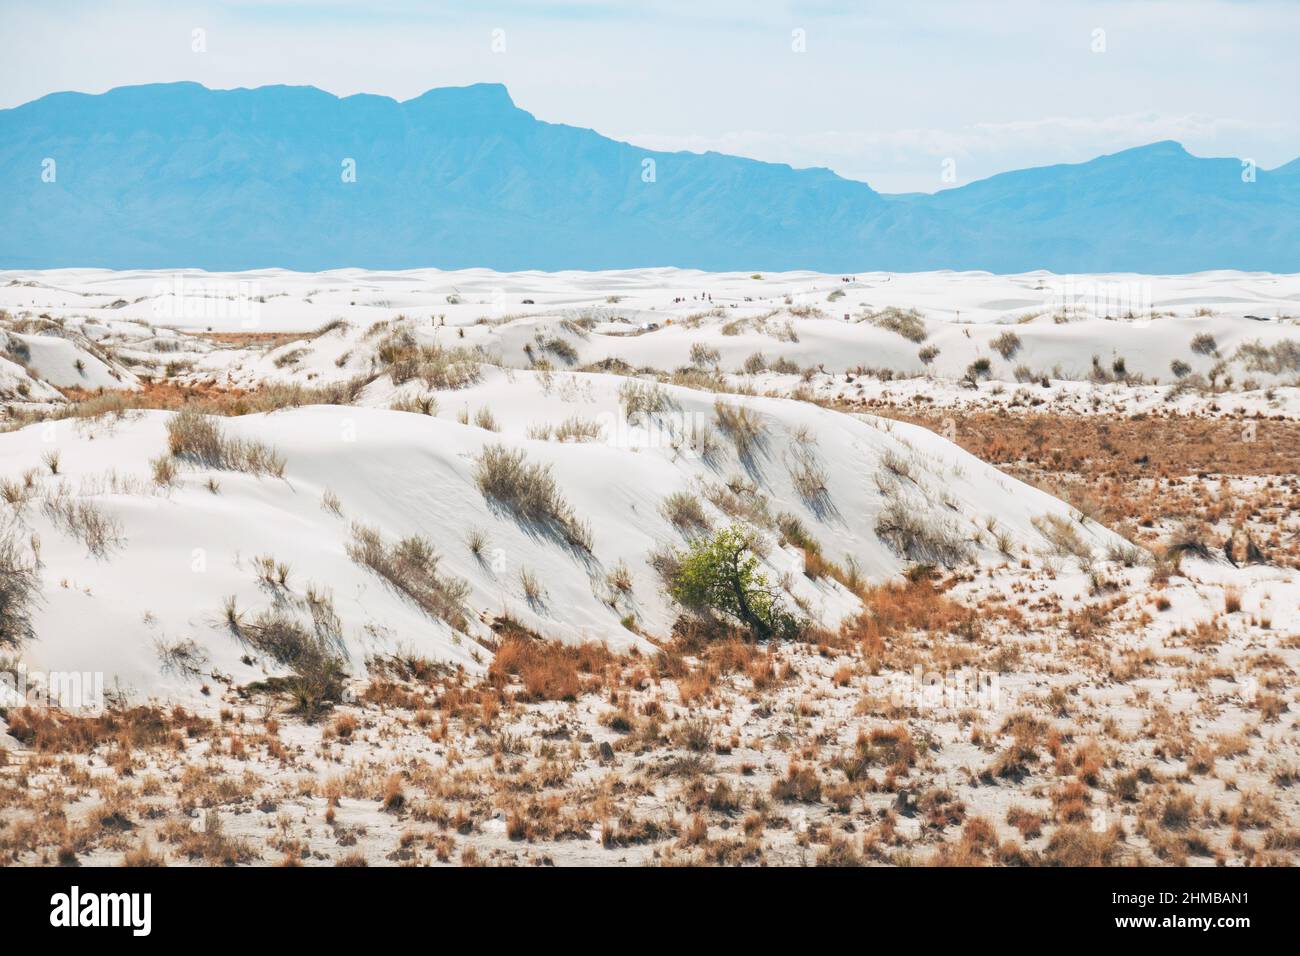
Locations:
(177, 175)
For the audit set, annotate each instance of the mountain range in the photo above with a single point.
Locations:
(177, 175)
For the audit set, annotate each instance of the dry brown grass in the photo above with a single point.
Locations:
(52, 731)
(198, 438)
(894, 609)
(411, 567)
(549, 670)
(1134, 473)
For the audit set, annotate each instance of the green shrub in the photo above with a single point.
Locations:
(720, 575)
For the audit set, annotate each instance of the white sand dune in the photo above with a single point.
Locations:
(179, 553)
(175, 554)
(652, 317)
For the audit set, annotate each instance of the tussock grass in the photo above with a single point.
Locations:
(816, 565)
(528, 490)
(405, 359)
(416, 405)
(575, 429)
(908, 323)
(1007, 345)
(20, 590)
(1078, 845)
(643, 400)
(317, 668)
(99, 531)
(291, 357)
(548, 670)
(560, 348)
(197, 438)
(918, 538)
(534, 590)
(46, 730)
(809, 479)
(894, 609)
(700, 439)
(1063, 539)
(410, 566)
(164, 470)
(703, 356)
(1276, 359)
(19, 491)
(686, 512)
(898, 465)
(739, 498)
(742, 425)
(619, 579)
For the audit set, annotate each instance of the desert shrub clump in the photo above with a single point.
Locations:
(719, 575)
(528, 490)
(685, 511)
(575, 429)
(644, 400)
(19, 590)
(439, 368)
(703, 355)
(197, 438)
(1276, 359)
(742, 425)
(312, 656)
(548, 670)
(1007, 345)
(908, 323)
(411, 567)
(918, 538)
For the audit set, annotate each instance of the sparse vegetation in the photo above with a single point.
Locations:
(909, 323)
(198, 439)
(742, 425)
(411, 567)
(918, 538)
(703, 356)
(686, 512)
(529, 491)
(1007, 345)
(644, 400)
(19, 590)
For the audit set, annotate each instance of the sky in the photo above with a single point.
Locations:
(908, 96)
